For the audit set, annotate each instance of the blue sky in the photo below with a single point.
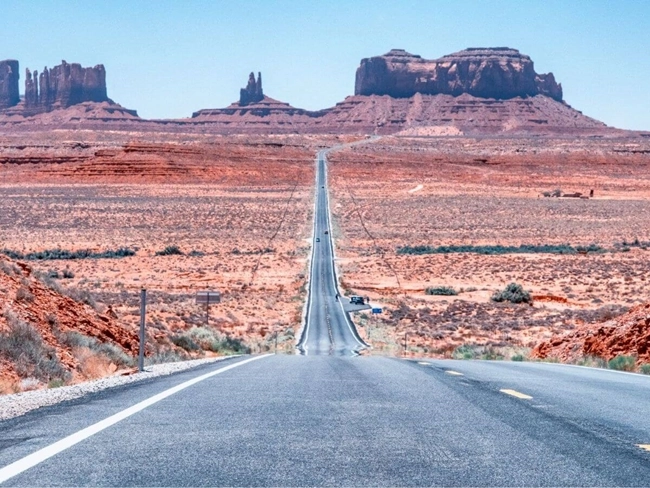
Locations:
(168, 58)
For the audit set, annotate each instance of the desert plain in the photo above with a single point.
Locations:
(177, 214)
(586, 260)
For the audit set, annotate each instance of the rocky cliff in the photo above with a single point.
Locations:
(63, 86)
(9, 83)
(499, 73)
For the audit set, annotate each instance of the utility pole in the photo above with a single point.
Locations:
(405, 336)
(143, 313)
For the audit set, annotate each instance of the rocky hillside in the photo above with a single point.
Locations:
(50, 335)
(627, 335)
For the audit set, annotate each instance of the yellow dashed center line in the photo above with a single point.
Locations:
(454, 373)
(645, 447)
(516, 394)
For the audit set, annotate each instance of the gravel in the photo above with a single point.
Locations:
(21, 403)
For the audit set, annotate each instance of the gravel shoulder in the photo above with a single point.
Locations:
(20, 403)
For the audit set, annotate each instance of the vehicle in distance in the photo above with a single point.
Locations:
(326, 232)
(357, 300)
(318, 239)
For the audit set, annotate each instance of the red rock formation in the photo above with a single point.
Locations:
(9, 83)
(253, 91)
(499, 73)
(628, 334)
(63, 86)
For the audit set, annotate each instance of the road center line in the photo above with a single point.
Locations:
(516, 394)
(645, 447)
(41, 455)
(454, 373)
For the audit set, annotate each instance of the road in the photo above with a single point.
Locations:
(330, 420)
(334, 418)
(328, 328)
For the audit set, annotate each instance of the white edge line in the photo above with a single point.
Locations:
(45, 453)
(304, 333)
(591, 368)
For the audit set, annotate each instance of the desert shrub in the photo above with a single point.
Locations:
(170, 251)
(24, 295)
(266, 250)
(645, 368)
(590, 248)
(166, 356)
(53, 273)
(622, 363)
(24, 347)
(441, 290)
(112, 352)
(513, 293)
(465, 352)
(56, 383)
(231, 345)
(80, 295)
(52, 320)
(195, 253)
(67, 274)
(115, 354)
(592, 361)
(75, 339)
(54, 254)
(498, 249)
(209, 340)
(518, 358)
(9, 269)
(491, 354)
(185, 342)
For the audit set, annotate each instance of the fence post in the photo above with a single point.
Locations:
(143, 313)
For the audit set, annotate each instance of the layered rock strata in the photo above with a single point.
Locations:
(499, 73)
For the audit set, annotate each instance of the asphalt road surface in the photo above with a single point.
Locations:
(342, 421)
(328, 328)
(334, 418)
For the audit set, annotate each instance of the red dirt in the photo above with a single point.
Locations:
(26, 297)
(627, 335)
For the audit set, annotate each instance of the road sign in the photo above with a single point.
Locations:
(208, 297)
(376, 310)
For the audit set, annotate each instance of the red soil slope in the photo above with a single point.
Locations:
(24, 297)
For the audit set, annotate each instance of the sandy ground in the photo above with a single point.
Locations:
(489, 192)
(242, 220)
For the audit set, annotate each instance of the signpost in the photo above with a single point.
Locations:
(143, 313)
(376, 310)
(207, 298)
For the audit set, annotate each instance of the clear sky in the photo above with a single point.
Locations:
(168, 58)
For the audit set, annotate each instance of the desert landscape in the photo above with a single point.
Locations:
(476, 183)
(466, 217)
(232, 215)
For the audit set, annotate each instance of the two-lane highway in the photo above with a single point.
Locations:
(343, 421)
(328, 328)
